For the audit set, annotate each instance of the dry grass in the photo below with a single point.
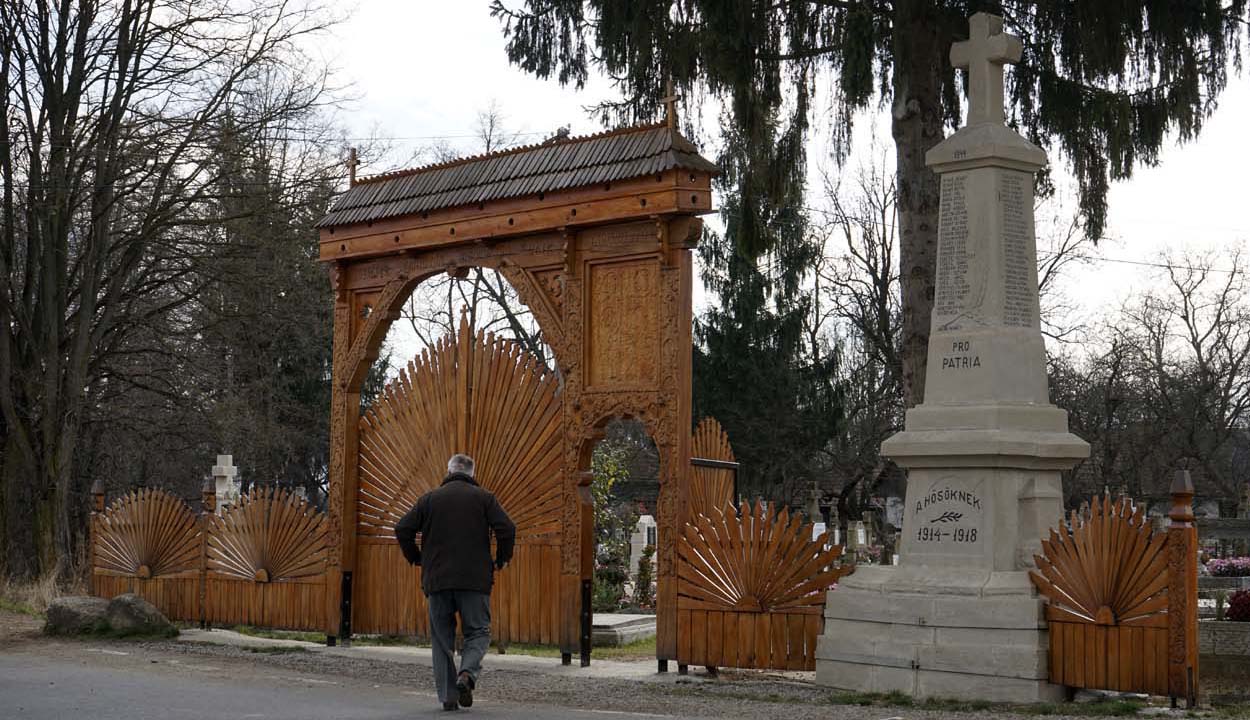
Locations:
(36, 595)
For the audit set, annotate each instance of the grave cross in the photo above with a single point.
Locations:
(983, 54)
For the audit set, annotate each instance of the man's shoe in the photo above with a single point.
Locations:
(451, 705)
(464, 685)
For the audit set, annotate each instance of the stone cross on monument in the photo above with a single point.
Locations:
(958, 616)
(983, 55)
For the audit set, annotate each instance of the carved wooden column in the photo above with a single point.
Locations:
(97, 508)
(673, 437)
(1183, 593)
(342, 417)
(208, 508)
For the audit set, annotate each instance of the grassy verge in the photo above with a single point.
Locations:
(21, 608)
(33, 596)
(1104, 708)
(638, 650)
(320, 638)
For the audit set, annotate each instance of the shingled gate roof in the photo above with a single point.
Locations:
(554, 165)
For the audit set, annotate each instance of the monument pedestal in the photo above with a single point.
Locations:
(950, 635)
(958, 616)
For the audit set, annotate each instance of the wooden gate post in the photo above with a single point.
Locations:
(208, 508)
(97, 508)
(1182, 593)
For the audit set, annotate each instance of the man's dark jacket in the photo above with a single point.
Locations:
(455, 523)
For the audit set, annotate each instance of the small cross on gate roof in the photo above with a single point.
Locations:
(983, 54)
(670, 105)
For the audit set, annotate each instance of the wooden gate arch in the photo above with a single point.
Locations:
(595, 233)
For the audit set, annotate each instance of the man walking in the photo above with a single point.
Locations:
(455, 522)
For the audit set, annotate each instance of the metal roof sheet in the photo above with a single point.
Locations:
(556, 165)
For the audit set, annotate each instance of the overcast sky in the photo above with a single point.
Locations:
(421, 70)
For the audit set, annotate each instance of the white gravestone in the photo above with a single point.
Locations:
(644, 534)
(958, 616)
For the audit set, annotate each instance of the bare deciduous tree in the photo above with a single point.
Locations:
(112, 111)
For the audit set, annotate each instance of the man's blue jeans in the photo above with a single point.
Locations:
(474, 610)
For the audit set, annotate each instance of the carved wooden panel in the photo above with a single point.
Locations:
(623, 324)
(1109, 569)
(147, 533)
(755, 560)
(271, 535)
(1105, 578)
(751, 589)
(474, 394)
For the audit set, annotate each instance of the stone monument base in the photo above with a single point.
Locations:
(968, 635)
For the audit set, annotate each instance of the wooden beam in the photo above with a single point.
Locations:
(623, 202)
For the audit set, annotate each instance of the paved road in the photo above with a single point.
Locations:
(100, 687)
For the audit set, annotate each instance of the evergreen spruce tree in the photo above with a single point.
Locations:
(1102, 82)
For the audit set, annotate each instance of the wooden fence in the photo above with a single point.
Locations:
(751, 589)
(261, 562)
(1122, 600)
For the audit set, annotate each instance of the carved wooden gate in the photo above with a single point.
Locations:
(751, 589)
(1121, 599)
(494, 401)
(260, 562)
(148, 542)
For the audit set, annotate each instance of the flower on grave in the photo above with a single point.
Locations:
(1230, 567)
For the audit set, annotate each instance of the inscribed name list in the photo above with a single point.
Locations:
(1019, 295)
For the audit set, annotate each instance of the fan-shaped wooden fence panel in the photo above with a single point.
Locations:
(148, 542)
(1121, 599)
(266, 563)
(488, 398)
(751, 589)
(711, 488)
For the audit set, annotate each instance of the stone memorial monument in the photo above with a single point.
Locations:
(958, 616)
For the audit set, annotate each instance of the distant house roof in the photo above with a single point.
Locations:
(558, 164)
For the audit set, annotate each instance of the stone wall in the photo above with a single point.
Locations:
(1217, 637)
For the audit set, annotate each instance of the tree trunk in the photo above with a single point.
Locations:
(920, 48)
(19, 522)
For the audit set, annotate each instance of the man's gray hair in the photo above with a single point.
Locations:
(462, 464)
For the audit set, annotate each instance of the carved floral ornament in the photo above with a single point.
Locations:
(145, 534)
(1109, 569)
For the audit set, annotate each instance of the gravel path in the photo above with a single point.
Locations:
(735, 695)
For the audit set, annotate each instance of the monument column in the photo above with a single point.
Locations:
(958, 616)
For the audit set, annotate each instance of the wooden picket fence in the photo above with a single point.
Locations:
(261, 562)
(751, 589)
(1122, 600)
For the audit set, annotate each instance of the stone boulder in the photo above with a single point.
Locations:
(130, 614)
(76, 615)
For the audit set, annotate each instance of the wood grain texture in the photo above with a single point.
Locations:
(753, 585)
(1111, 588)
(472, 394)
(270, 535)
(711, 488)
(1110, 568)
(489, 398)
(146, 533)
